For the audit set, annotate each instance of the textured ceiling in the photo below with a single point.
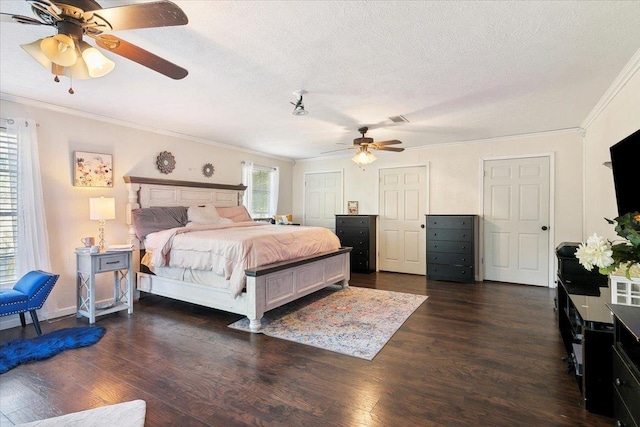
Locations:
(456, 70)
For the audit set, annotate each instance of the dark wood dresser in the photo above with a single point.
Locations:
(359, 232)
(626, 365)
(452, 247)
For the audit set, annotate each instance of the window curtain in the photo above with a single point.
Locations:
(33, 239)
(247, 171)
(273, 192)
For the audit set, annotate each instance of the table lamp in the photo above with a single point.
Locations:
(101, 209)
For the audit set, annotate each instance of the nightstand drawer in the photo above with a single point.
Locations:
(113, 262)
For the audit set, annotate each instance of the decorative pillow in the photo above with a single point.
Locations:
(206, 214)
(235, 213)
(151, 220)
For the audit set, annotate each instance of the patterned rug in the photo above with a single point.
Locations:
(353, 321)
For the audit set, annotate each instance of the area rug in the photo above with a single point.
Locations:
(16, 352)
(127, 414)
(353, 321)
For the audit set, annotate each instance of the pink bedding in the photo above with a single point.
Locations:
(229, 249)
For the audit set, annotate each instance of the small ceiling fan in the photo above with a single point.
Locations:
(363, 156)
(67, 54)
(364, 142)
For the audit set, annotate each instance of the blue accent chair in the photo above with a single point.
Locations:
(28, 294)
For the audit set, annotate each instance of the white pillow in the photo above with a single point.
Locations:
(206, 214)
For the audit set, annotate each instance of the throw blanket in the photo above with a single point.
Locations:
(229, 249)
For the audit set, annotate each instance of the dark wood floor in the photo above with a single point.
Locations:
(471, 355)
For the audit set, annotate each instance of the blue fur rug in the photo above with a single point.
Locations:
(16, 352)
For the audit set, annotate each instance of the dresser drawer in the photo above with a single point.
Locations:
(352, 221)
(622, 415)
(449, 221)
(447, 258)
(450, 247)
(360, 264)
(449, 234)
(450, 272)
(626, 384)
(353, 233)
(113, 262)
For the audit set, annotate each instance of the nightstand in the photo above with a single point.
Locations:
(89, 265)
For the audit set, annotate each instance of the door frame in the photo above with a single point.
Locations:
(304, 191)
(426, 192)
(552, 179)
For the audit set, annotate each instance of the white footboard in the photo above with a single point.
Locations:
(267, 287)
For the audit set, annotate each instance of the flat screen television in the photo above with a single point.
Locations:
(625, 162)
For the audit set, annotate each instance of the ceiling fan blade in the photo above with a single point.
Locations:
(334, 151)
(396, 149)
(141, 56)
(391, 142)
(142, 15)
(19, 19)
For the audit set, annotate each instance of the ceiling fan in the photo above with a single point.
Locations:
(362, 144)
(67, 54)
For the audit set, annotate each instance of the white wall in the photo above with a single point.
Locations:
(134, 153)
(620, 118)
(454, 176)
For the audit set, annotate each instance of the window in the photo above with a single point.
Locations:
(261, 196)
(8, 206)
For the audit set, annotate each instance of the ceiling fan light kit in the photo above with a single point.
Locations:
(364, 157)
(67, 54)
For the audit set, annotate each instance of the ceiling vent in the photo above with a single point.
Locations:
(398, 119)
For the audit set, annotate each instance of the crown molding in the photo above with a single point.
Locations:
(625, 75)
(124, 123)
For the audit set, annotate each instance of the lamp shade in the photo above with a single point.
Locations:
(34, 50)
(364, 157)
(59, 49)
(101, 208)
(97, 64)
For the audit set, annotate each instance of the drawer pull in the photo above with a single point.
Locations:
(619, 382)
(112, 262)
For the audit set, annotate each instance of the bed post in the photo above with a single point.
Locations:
(132, 203)
(256, 288)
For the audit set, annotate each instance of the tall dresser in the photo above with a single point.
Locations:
(452, 245)
(359, 232)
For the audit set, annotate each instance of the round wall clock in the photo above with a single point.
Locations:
(207, 170)
(166, 162)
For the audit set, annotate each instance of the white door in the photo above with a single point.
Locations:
(322, 199)
(403, 205)
(516, 220)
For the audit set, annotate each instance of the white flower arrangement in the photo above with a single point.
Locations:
(596, 252)
(610, 257)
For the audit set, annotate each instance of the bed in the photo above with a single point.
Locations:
(264, 287)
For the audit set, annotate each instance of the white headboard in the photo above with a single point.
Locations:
(150, 192)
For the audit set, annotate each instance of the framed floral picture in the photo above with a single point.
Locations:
(92, 169)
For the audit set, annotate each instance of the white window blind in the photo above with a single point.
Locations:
(8, 205)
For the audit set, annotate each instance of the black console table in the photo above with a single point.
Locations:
(626, 365)
(586, 326)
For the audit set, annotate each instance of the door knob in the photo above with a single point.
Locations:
(421, 225)
(545, 228)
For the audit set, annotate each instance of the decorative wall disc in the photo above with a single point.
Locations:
(166, 162)
(207, 170)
